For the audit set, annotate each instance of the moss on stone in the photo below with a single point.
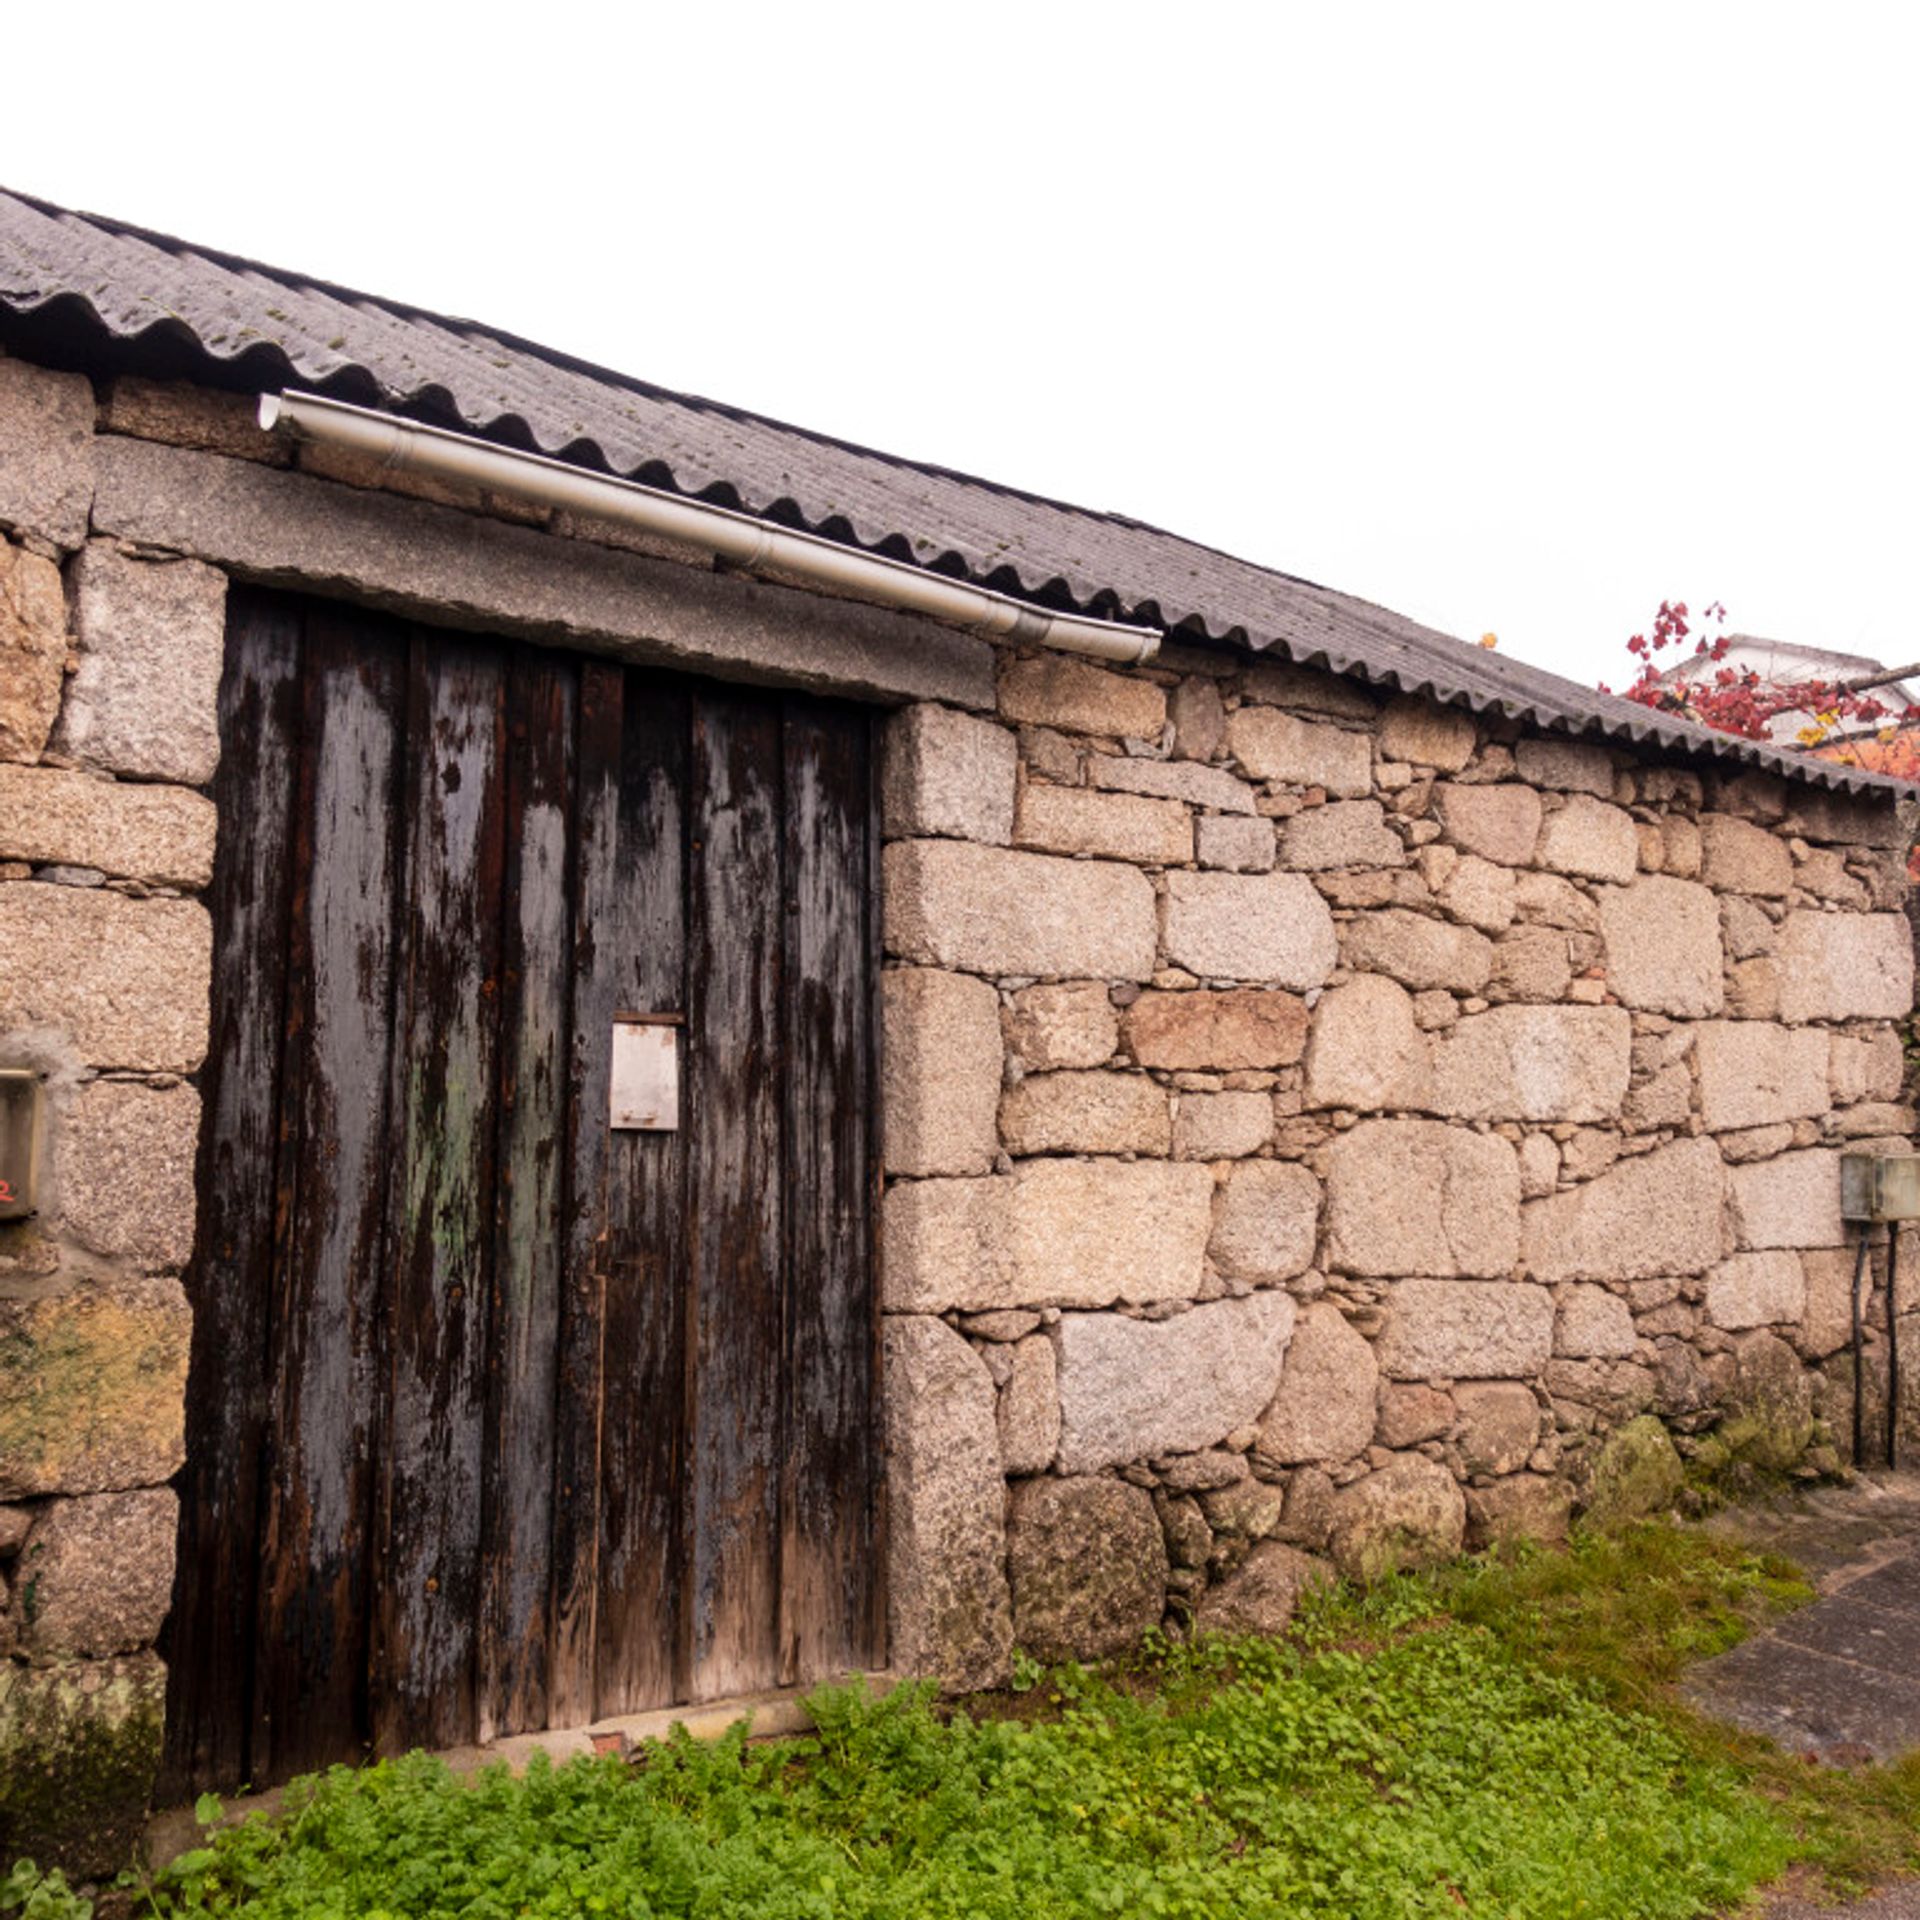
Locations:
(1637, 1472)
(1769, 1443)
(1769, 1421)
(79, 1748)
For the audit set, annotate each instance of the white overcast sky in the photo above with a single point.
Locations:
(1510, 318)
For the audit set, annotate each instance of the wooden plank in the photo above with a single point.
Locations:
(211, 1632)
(874, 1619)
(643, 1252)
(736, 1337)
(523, 1341)
(441, 1216)
(594, 995)
(313, 1603)
(827, 1455)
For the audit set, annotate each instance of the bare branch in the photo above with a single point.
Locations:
(1879, 677)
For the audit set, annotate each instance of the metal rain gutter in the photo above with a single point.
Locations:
(753, 545)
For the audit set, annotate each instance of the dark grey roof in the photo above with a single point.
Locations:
(108, 295)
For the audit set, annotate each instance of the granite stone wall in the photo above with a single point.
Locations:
(109, 668)
(1326, 1130)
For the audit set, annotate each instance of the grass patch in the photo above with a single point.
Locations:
(1493, 1739)
(1623, 1611)
(1620, 1615)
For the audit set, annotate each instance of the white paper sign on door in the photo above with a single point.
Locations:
(644, 1085)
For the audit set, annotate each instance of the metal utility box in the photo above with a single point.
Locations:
(1875, 1186)
(20, 1103)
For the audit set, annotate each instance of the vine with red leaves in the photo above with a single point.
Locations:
(1845, 721)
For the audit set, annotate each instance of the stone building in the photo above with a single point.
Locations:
(1142, 1134)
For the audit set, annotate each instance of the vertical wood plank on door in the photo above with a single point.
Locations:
(871, 1628)
(594, 995)
(313, 1606)
(736, 1337)
(522, 1368)
(827, 1467)
(441, 1216)
(210, 1639)
(642, 1454)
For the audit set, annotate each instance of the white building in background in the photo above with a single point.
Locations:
(1785, 661)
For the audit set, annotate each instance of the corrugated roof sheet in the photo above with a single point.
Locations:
(105, 288)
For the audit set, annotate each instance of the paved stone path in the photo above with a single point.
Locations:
(1841, 1678)
(1833, 1530)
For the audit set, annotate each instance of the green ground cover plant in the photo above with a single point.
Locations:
(1624, 1612)
(1493, 1739)
(1423, 1775)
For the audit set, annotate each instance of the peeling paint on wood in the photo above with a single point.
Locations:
(500, 1419)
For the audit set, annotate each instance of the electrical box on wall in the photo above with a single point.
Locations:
(20, 1102)
(1880, 1186)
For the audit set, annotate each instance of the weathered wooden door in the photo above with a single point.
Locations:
(500, 1418)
